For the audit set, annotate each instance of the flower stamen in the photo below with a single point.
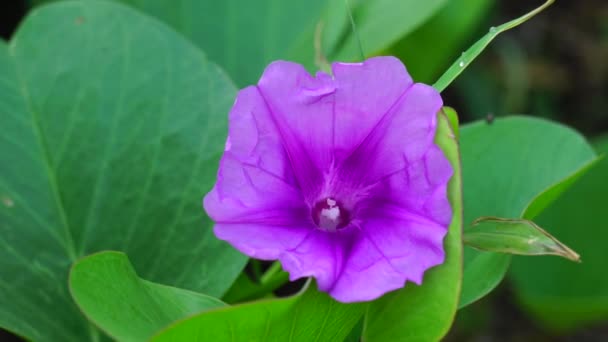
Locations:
(329, 215)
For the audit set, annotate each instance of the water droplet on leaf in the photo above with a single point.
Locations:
(8, 202)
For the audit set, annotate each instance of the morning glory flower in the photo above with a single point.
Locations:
(337, 176)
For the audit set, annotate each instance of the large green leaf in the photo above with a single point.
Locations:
(242, 36)
(245, 36)
(378, 24)
(559, 294)
(308, 316)
(112, 124)
(128, 308)
(426, 312)
(506, 165)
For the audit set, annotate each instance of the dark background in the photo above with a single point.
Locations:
(554, 66)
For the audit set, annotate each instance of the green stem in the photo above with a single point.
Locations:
(349, 10)
(476, 49)
(256, 268)
(271, 272)
(274, 278)
(271, 280)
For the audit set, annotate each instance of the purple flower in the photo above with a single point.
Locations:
(337, 176)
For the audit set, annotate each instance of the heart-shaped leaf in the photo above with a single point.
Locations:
(112, 126)
(307, 316)
(241, 36)
(245, 36)
(128, 308)
(378, 25)
(561, 295)
(506, 165)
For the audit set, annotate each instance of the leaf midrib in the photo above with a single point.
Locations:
(96, 197)
(69, 245)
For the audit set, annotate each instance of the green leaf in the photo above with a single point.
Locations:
(112, 124)
(242, 36)
(544, 199)
(483, 271)
(506, 165)
(453, 25)
(356, 333)
(128, 308)
(426, 312)
(476, 49)
(561, 295)
(378, 23)
(245, 36)
(308, 316)
(515, 236)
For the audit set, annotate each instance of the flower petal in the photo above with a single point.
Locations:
(258, 213)
(323, 119)
(255, 179)
(245, 193)
(403, 136)
(365, 93)
(253, 137)
(392, 249)
(421, 187)
(320, 255)
(261, 241)
(302, 112)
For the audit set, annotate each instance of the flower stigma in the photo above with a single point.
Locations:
(329, 215)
